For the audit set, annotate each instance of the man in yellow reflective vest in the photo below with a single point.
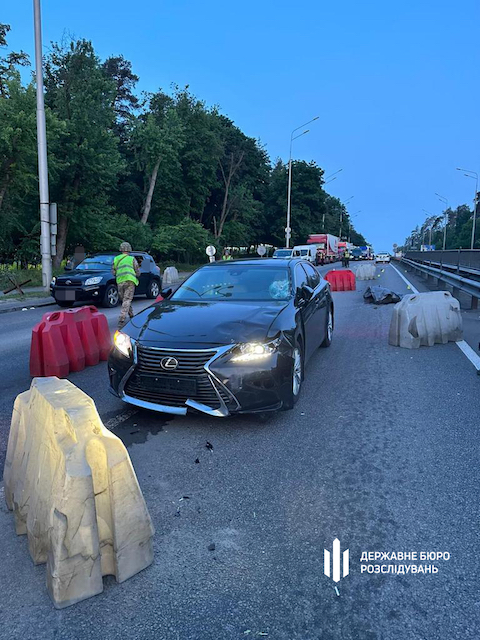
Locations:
(126, 271)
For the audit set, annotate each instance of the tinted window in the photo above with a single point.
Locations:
(300, 277)
(313, 277)
(283, 253)
(96, 263)
(236, 282)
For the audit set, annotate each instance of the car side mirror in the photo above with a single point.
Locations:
(68, 267)
(303, 295)
(307, 292)
(166, 293)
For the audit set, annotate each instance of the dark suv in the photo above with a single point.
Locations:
(93, 281)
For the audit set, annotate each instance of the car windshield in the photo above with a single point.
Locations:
(236, 282)
(283, 253)
(96, 263)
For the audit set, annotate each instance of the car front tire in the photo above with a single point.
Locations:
(111, 297)
(296, 376)
(328, 330)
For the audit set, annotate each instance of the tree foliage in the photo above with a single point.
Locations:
(455, 224)
(165, 171)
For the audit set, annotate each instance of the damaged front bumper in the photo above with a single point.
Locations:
(209, 381)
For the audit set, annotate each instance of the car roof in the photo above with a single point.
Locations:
(258, 262)
(115, 253)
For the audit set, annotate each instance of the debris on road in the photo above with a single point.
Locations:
(381, 295)
(209, 446)
(197, 461)
(211, 547)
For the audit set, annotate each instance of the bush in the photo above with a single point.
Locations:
(184, 242)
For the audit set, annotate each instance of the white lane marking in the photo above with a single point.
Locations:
(412, 287)
(470, 353)
(464, 347)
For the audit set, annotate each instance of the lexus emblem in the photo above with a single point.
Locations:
(68, 282)
(169, 364)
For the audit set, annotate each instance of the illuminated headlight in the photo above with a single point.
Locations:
(252, 351)
(94, 280)
(122, 343)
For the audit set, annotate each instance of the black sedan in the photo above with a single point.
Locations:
(93, 281)
(233, 338)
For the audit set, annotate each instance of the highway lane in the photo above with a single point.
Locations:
(381, 452)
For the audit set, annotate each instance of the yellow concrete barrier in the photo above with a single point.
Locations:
(74, 493)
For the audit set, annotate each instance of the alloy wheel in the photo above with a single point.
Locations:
(297, 371)
(112, 297)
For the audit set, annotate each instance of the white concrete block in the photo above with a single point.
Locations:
(365, 271)
(73, 491)
(423, 319)
(170, 275)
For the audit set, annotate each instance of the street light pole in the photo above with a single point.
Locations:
(288, 230)
(443, 199)
(429, 220)
(474, 175)
(341, 217)
(42, 154)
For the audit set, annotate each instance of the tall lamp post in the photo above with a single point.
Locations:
(432, 215)
(474, 175)
(288, 230)
(341, 216)
(350, 223)
(42, 154)
(443, 199)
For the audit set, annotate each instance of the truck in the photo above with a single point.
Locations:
(327, 243)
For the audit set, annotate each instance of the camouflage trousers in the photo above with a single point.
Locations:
(125, 291)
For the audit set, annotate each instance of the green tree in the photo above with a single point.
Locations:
(88, 159)
(185, 241)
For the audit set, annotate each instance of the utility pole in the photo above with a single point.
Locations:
(288, 229)
(42, 154)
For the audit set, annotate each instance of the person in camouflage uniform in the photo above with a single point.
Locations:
(126, 271)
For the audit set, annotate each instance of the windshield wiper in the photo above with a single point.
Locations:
(190, 289)
(217, 288)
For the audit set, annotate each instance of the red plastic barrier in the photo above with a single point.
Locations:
(343, 280)
(66, 341)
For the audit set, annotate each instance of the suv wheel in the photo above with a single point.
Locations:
(153, 289)
(111, 297)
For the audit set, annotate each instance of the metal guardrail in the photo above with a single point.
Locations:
(456, 281)
(460, 259)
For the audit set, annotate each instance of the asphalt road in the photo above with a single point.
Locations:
(381, 451)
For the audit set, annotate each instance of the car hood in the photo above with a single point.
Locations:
(208, 323)
(82, 274)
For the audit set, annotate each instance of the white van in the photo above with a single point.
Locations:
(305, 251)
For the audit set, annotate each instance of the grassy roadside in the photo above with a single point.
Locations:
(28, 296)
(22, 275)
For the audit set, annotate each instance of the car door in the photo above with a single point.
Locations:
(144, 279)
(321, 300)
(307, 310)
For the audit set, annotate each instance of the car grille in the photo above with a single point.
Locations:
(62, 282)
(190, 366)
